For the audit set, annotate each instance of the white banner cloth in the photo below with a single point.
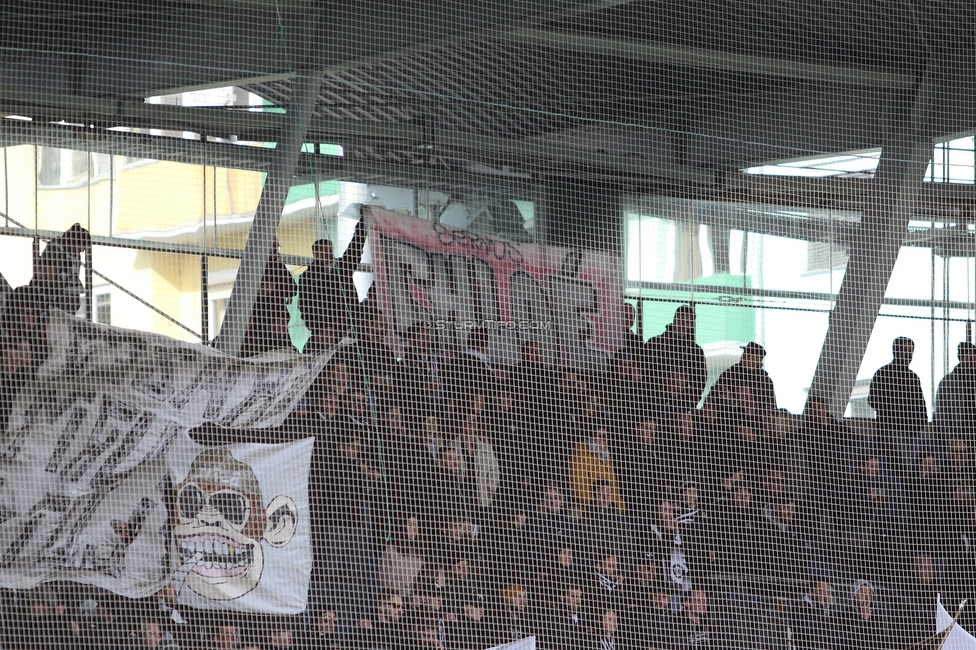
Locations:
(85, 468)
(958, 639)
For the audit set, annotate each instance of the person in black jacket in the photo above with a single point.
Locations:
(745, 394)
(782, 542)
(955, 401)
(916, 602)
(825, 440)
(694, 628)
(736, 529)
(816, 619)
(677, 368)
(563, 621)
(896, 396)
(470, 377)
(327, 296)
(268, 327)
(56, 283)
(864, 626)
(383, 629)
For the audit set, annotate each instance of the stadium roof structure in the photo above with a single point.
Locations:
(676, 98)
(618, 90)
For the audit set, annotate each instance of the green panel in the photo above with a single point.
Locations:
(719, 319)
(297, 331)
(299, 192)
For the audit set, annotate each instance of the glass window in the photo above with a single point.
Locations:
(756, 273)
(103, 308)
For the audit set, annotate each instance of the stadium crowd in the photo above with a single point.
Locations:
(460, 504)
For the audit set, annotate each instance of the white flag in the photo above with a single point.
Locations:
(958, 639)
(521, 644)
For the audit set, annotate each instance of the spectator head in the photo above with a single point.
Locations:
(647, 431)
(532, 353)
(689, 495)
(325, 622)
(863, 593)
(628, 314)
(554, 499)
(460, 568)
(428, 634)
(349, 445)
(665, 513)
(742, 495)
(390, 606)
(15, 355)
(924, 569)
(660, 599)
(77, 239)
(753, 355)
(821, 592)
(394, 419)
(565, 556)
(572, 597)
(451, 460)
(599, 438)
(774, 482)
(431, 595)
(784, 423)
(602, 494)
(927, 465)
(697, 602)
(817, 409)
(608, 565)
(372, 321)
(684, 425)
(478, 339)
(625, 367)
(150, 633)
(608, 623)
(322, 251)
(784, 511)
(469, 426)
(458, 529)
(21, 314)
(957, 453)
(903, 350)
(411, 528)
(339, 377)
(684, 320)
(967, 353)
(225, 637)
(515, 597)
(281, 634)
(503, 398)
(870, 465)
(569, 381)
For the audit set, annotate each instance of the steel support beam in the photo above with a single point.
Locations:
(883, 229)
(691, 57)
(261, 237)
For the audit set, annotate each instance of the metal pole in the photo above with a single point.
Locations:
(204, 300)
(268, 214)
(882, 232)
(89, 296)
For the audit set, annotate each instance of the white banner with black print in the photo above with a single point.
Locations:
(96, 451)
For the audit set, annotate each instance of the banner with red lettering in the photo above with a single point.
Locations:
(452, 280)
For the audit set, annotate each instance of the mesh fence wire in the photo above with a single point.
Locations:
(453, 325)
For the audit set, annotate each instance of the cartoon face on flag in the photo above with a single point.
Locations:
(222, 522)
(100, 482)
(241, 536)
